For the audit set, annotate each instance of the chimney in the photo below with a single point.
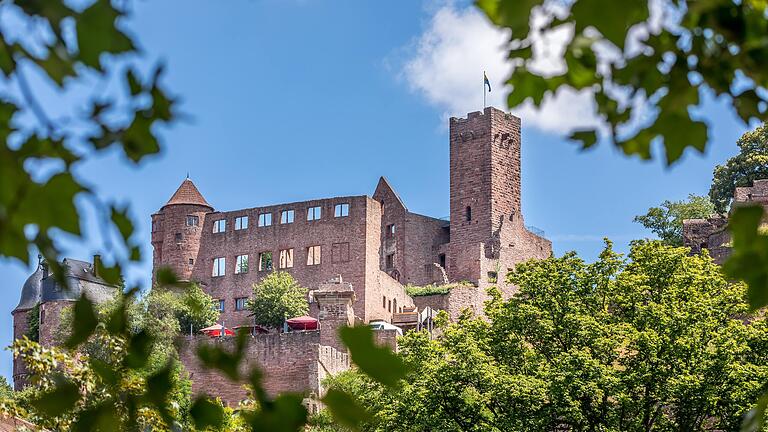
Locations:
(96, 264)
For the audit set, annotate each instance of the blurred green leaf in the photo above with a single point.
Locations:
(378, 362)
(611, 18)
(159, 386)
(749, 257)
(345, 409)
(588, 138)
(755, 418)
(97, 34)
(84, 322)
(139, 347)
(285, 414)
(216, 357)
(206, 413)
(101, 417)
(56, 402)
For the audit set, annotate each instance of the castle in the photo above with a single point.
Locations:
(374, 242)
(712, 233)
(355, 254)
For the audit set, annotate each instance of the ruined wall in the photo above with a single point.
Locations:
(288, 361)
(455, 301)
(388, 295)
(342, 242)
(423, 237)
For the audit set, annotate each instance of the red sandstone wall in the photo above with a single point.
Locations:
(20, 328)
(386, 296)
(167, 249)
(50, 320)
(288, 361)
(299, 235)
(454, 303)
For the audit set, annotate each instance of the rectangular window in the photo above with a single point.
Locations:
(313, 255)
(341, 210)
(265, 219)
(265, 261)
(314, 213)
(218, 266)
(441, 259)
(390, 261)
(191, 261)
(220, 305)
(219, 226)
(241, 264)
(286, 216)
(178, 237)
(286, 258)
(240, 303)
(193, 220)
(340, 252)
(390, 231)
(241, 223)
(383, 302)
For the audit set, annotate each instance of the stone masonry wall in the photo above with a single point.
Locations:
(50, 320)
(288, 361)
(20, 328)
(342, 242)
(454, 303)
(175, 244)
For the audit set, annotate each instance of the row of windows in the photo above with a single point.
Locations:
(339, 254)
(265, 219)
(240, 304)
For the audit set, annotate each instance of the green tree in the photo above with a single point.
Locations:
(656, 342)
(666, 221)
(276, 298)
(750, 164)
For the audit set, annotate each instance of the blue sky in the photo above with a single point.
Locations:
(293, 100)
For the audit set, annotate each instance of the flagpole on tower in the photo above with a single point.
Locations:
(484, 79)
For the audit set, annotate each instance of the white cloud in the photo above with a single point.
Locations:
(447, 63)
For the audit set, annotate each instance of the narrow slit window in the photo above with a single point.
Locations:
(468, 213)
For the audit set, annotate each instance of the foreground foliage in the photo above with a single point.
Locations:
(657, 342)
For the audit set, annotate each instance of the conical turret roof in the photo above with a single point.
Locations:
(187, 193)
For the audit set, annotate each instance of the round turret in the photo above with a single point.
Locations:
(177, 229)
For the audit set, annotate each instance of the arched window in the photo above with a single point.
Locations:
(468, 213)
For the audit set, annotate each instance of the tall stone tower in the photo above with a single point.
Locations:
(176, 231)
(485, 190)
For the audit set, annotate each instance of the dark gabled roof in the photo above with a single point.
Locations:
(188, 193)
